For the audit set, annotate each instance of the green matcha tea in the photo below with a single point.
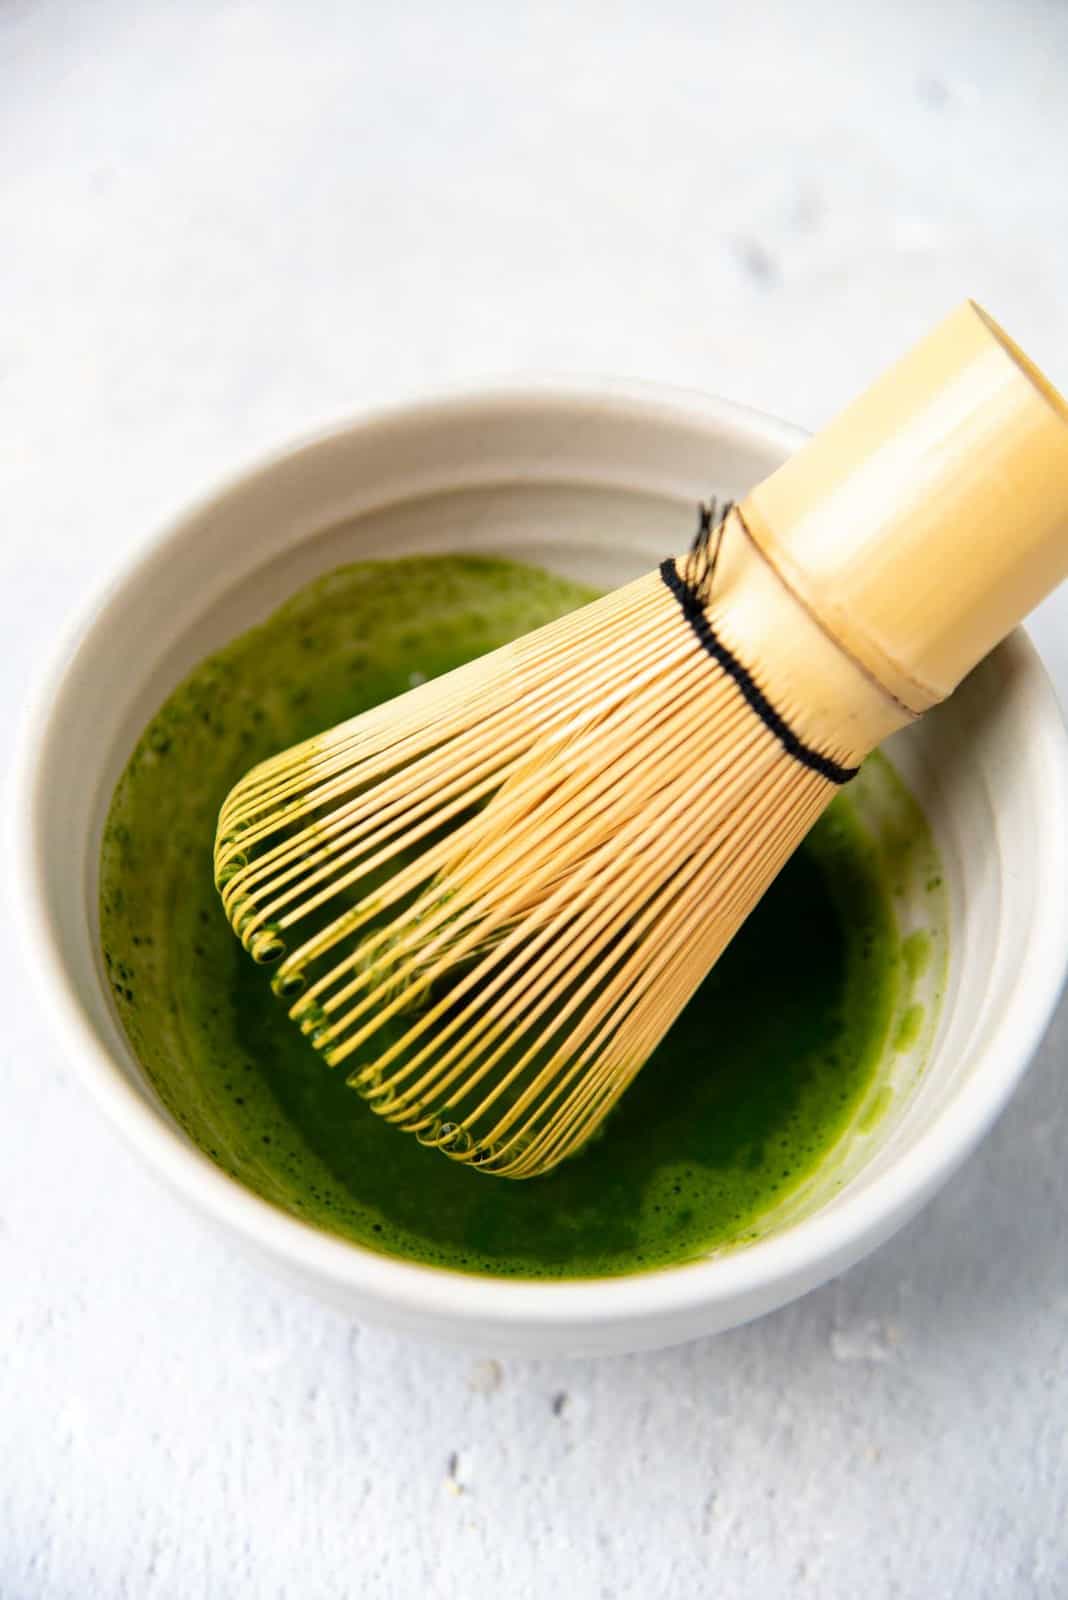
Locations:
(754, 1085)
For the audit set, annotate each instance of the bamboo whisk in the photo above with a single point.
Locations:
(489, 898)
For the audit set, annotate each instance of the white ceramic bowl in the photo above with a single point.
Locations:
(597, 483)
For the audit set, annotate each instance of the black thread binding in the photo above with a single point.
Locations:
(711, 523)
(693, 611)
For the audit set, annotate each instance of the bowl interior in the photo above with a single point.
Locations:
(595, 487)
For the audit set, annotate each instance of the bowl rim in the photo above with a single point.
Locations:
(826, 1240)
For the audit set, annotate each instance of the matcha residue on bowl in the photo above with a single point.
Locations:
(758, 1079)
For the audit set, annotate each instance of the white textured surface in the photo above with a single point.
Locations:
(220, 224)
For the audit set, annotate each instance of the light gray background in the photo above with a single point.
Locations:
(224, 223)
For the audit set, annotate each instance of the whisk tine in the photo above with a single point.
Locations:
(489, 899)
